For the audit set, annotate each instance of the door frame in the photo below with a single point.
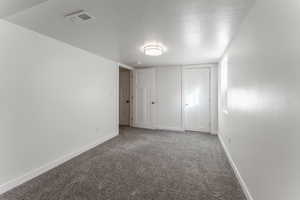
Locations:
(131, 69)
(183, 92)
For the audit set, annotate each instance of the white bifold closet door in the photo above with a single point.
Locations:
(196, 98)
(144, 97)
(168, 88)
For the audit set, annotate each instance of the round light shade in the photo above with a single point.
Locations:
(153, 50)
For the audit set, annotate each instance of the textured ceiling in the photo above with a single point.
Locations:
(194, 31)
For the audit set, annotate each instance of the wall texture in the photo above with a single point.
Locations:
(261, 128)
(55, 99)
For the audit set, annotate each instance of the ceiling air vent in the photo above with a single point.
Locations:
(79, 16)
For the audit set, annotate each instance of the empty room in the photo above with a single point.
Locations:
(149, 100)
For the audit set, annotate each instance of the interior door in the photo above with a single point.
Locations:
(196, 99)
(124, 88)
(144, 98)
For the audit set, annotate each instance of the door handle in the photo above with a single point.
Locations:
(153, 102)
(127, 101)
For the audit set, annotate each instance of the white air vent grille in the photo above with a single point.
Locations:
(79, 16)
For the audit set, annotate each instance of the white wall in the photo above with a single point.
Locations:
(55, 100)
(261, 129)
(168, 90)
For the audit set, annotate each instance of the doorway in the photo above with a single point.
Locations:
(125, 97)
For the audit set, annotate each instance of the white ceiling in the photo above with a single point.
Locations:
(9, 7)
(194, 31)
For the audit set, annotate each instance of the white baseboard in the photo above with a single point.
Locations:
(143, 126)
(36, 172)
(158, 128)
(167, 128)
(170, 128)
(236, 171)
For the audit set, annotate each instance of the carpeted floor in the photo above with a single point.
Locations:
(140, 165)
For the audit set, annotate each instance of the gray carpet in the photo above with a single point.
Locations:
(140, 165)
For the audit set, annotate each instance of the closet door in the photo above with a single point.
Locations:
(168, 88)
(144, 98)
(196, 97)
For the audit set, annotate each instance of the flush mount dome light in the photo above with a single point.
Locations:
(153, 49)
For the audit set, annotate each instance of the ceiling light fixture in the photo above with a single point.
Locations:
(153, 49)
